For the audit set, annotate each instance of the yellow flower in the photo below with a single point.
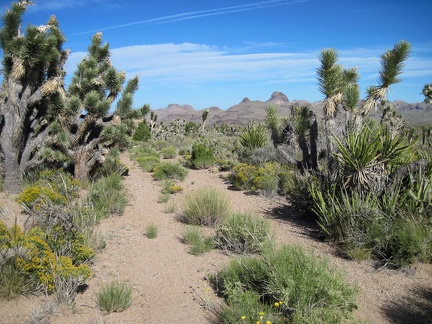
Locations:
(243, 317)
(277, 304)
(258, 322)
(261, 313)
(268, 322)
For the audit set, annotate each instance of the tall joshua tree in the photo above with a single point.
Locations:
(333, 81)
(32, 89)
(84, 132)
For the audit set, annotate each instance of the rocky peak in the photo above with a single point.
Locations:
(246, 99)
(278, 98)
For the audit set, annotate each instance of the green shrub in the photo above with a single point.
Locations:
(205, 206)
(170, 170)
(202, 156)
(148, 163)
(305, 289)
(143, 150)
(243, 233)
(142, 133)
(14, 282)
(115, 297)
(169, 152)
(160, 145)
(151, 231)
(108, 196)
(199, 244)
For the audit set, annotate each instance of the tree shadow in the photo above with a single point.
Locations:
(414, 308)
(305, 224)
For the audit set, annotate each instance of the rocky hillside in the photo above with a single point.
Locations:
(241, 113)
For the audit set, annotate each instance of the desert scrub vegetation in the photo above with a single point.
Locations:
(151, 231)
(199, 243)
(116, 296)
(202, 157)
(35, 258)
(285, 285)
(244, 233)
(206, 206)
(169, 152)
(108, 196)
(170, 170)
(265, 179)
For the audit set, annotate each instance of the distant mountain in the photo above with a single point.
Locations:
(241, 113)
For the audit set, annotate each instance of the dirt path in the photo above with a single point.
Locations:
(167, 281)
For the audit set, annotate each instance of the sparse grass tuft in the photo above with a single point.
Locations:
(199, 244)
(206, 206)
(116, 296)
(151, 231)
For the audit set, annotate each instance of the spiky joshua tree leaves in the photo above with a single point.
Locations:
(32, 90)
(392, 63)
(84, 132)
(333, 82)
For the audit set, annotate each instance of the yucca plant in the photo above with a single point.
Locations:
(254, 136)
(368, 154)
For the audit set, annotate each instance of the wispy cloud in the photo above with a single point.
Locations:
(63, 4)
(200, 14)
(200, 66)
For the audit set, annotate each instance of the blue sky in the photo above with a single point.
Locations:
(215, 53)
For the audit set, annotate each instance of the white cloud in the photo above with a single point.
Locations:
(198, 66)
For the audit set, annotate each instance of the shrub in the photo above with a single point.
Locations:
(169, 152)
(148, 163)
(263, 179)
(170, 187)
(151, 231)
(202, 156)
(142, 133)
(40, 257)
(169, 208)
(115, 297)
(305, 289)
(169, 170)
(205, 206)
(108, 196)
(199, 244)
(243, 233)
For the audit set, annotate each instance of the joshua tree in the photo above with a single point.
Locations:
(273, 123)
(392, 62)
(83, 131)
(427, 92)
(333, 81)
(32, 91)
(204, 118)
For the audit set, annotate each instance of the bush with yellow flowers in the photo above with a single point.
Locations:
(263, 178)
(32, 255)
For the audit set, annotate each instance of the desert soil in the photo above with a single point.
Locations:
(169, 284)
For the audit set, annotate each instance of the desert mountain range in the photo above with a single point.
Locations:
(241, 113)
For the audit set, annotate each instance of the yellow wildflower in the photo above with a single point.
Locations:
(243, 317)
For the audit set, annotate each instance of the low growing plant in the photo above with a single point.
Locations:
(169, 152)
(151, 231)
(301, 284)
(170, 170)
(116, 296)
(243, 233)
(198, 243)
(206, 206)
